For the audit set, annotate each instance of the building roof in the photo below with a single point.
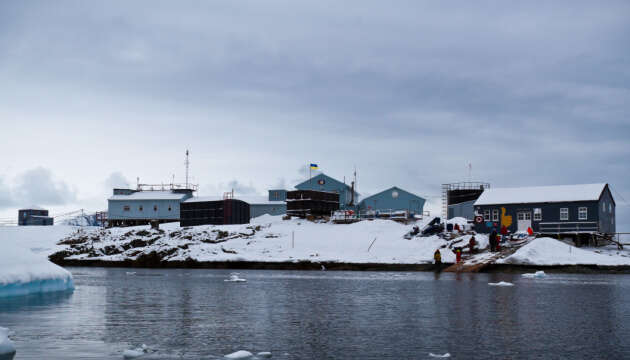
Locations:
(150, 195)
(392, 189)
(306, 185)
(250, 199)
(32, 207)
(541, 194)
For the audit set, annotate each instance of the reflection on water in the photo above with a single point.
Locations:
(194, 314)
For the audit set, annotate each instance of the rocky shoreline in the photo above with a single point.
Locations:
(154, 262)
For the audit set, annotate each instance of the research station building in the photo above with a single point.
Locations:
(564, 209)
(129, 207)
(391, 200)
(34, 216)
(325, 183)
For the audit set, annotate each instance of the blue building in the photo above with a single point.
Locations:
(564, 209)
(34, 216)
(323, 182)
(129, 207)
(393, 199)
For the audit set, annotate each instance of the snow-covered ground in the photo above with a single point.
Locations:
(548, 251)
(271, 239)
(24, 266)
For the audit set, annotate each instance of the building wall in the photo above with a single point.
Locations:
(465, 210)
(324, 182)
(606, 209)
(277, 195)
(393, 198)
(116, 210)
(256, 210)
(550, 214)
(25, 217)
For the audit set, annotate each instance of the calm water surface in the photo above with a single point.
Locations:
(192, 314)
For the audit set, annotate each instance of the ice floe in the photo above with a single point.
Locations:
(447, 355)
(537, 274)
(24, 272)
(501, 283)
(241, 354)
(7, 349)
(235, 278)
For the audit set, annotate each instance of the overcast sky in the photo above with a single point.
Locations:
(96, 94)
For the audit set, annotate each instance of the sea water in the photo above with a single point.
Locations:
(193, 314)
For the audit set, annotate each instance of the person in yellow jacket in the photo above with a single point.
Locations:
(437, 256)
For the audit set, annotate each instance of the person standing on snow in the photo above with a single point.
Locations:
(471, 244)
(437, 256)
(493, 241)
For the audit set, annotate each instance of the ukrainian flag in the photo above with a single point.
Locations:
(314, 167)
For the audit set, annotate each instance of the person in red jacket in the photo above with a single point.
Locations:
(458, 255)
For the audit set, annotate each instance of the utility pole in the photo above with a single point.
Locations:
(187, 163)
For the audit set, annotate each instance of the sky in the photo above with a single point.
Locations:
(98, 94)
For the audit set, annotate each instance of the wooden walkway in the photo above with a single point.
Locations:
(476, 263)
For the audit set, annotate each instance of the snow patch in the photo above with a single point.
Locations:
(548, 251)
(501, 283)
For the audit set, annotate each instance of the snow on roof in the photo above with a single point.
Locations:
(149, 195)
(250, 199)
(33, 207)
(540, 194)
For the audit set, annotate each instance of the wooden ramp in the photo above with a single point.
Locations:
(471, 264)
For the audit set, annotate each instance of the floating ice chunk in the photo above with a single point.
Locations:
(7, 349)
(130, 272)
(264, 354)
(234, 278)
(135, 353)
(24, 272)
(447, 355)
(241, 354)
(537, 274)
(501, 283)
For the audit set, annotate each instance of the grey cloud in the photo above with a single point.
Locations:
(116, 180)
(6, 198)
(38, 187)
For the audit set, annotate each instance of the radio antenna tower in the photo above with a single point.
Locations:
(187, 163)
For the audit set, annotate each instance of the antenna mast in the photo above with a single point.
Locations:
(187, 163)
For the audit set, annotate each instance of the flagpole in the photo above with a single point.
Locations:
(310, 176)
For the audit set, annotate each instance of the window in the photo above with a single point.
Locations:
(582, 213)
(126, 208)
(610, 208)
(495, 215)
(154, 207)
(564, 213)
(537, 214)
(140, 207)
(486, 215)
(604, 207)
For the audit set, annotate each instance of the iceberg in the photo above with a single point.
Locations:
(23, 272)
(501, 283)
(241, 354)
(7, 349)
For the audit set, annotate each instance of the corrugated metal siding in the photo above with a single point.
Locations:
(465, 210)
(385, 200)
(116, 209)
(229, 211)
(324, 182)
(256, 210)
(550, 217)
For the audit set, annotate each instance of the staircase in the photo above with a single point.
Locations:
(476, 263)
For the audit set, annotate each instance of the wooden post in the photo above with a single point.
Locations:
(371, 244)
(293, 239)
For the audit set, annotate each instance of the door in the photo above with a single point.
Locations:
(524, 220)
